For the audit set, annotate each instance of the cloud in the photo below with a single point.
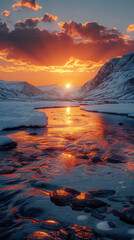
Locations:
(26, 4)
(29, 22)
(91, 30)
(130, 28)
(37, 47)
(49, 18)
(32, 22)
(6, 13)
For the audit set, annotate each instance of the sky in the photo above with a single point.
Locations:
(48, 42)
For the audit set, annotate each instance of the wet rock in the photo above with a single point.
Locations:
(111, 160)
(86, 200)
(96, 159)
(45, 185)
(50, 225)
(87, 209)
(72, 191)
(78, 201)
(30, 211)
(81, 233)
(114, 212)
(103, 193)
(130, 198)
(63, 197)
(38, 236)
(105, 226)
(127, 215)
(101, 209)
(95, 214)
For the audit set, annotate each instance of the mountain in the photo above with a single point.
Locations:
(58, 92)
(18, 89)
(115, 80)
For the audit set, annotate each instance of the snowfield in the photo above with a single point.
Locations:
(4, 140)
(121, 108)
(22, 114)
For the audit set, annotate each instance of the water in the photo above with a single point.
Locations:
(61, 155)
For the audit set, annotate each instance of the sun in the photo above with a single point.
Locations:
(68, 85)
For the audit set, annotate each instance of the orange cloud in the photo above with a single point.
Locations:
(130, 28)
(49, 18)
(26, 4)
(6, 13)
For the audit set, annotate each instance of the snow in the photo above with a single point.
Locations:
(4, 140)
(82, 217)
(121, 108)
(22, 114)
(131, 231)
(103, 226)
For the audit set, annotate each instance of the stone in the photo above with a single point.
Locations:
(127, 215)
(97, 215)
(101, 209)
(81, 233)
(38, 235)
(103, 193)
(111, 160)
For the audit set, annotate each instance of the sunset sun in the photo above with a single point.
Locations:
(68, 85)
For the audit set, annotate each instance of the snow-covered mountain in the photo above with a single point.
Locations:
(115, 80)
(58, 92)
(12, 89)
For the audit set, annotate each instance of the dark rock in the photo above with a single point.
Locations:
(111, 160)
(111, 225)
(38, 236)
(72, 191)
(101, 209)
(127, 215)
(96, 159)
(97, 215)
(8, 146)
(78, 201)
(86, 200)
(114, 212)
(87, 209)
(50, 225)
(101, 192)
(31, 211)
(81, 233)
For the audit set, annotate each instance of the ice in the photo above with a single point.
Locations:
(4, 140)
(22, 114)
(121, 108)
(103, 226)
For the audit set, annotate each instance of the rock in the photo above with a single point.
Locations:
(30, 211)
(64, 196)
(38, 236)
(97, 215)
(50, 225)
(127, 215)
(115, 212)
(86, 200)
(111, 160)
(103, 193)
(101, 209)
(81, 233)
(78, 201)
(119, 198)
(87, 209)
(96, 159)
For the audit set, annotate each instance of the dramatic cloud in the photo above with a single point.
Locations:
(91, 30)
(6, 13)
(49, 18)
(29, 22)
(130, 28)
(26, 4)
(37, 47)
(32, 22)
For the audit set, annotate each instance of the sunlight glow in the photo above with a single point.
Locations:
(68, 85)
(68, 109)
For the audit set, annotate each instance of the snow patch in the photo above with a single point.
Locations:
(131, 231)
(82, 217)
(103, 226)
